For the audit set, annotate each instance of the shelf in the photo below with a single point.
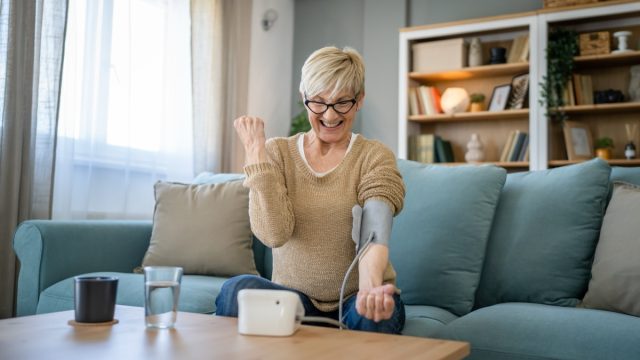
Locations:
(484, 71)
(602, 108)
(628, 58)
(471, 116)
(615, 162)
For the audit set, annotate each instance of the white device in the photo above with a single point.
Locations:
(269, 312)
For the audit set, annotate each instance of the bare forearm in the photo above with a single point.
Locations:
(372, 266)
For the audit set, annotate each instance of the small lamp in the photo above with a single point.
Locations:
(454, 100)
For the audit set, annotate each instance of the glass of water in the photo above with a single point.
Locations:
(161, 293)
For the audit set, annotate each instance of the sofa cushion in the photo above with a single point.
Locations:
(426, 321)
(438, 241)
(533, 331)
(627, 174)
(544, 235)
(615, 275)
(197, 293)
(202, 228)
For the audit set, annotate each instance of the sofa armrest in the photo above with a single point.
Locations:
(50, 251)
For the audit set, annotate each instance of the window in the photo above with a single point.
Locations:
(125, 108)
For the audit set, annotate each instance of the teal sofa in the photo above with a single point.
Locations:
(501, 261)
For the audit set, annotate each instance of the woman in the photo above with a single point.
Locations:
(302, 191)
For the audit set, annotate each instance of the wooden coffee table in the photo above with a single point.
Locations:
(202, 336)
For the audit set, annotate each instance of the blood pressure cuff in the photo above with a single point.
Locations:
(375, 217)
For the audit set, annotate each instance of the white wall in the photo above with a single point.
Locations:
(270, 69)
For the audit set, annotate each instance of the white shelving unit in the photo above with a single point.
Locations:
(538, 25)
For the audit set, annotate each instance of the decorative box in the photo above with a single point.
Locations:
(442, 55)
(595, 43)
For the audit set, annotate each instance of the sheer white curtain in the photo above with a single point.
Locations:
(126, 107)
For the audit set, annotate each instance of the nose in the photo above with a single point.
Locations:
(330, 114)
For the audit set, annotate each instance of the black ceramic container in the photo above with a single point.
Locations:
(95, 298)
(498, 55)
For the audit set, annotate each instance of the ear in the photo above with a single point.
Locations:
(360, 101)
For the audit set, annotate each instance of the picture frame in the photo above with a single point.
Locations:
(578, 140)
(519, 92)
(500, 97)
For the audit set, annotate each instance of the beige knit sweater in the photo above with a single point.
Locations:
(307, 219)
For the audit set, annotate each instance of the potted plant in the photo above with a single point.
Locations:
(603, 147)
(300, 122)
(562, 47)
(477, 102)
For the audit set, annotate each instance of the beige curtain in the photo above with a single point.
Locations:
(31, 47)
(220, 51)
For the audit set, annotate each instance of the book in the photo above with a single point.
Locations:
(411, 147)
(507, 147)
(587, 89)
(448, 151)
(427, 101)
(577, 87)
(435, 96)
(414, 109)
(519, 50)
(523, 149)
(425, 148)
(518, 141)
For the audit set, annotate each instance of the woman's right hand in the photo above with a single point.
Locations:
(250, 129)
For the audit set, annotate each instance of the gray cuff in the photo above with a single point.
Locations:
(376, 217)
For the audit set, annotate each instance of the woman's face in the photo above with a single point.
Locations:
(332, 124)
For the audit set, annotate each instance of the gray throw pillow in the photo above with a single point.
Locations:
(615, 275)
(203, 228)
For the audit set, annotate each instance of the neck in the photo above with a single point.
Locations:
(313, 142)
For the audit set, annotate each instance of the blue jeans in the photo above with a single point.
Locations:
(227, 305)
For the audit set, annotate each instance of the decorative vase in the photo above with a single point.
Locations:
(630, 151)
(474, 149)
(475, 52)
(454, 100)
(622, 37)
(603, 153)
(476, 106)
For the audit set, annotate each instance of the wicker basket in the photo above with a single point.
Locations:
(562, 3)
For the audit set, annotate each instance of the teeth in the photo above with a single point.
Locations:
(331, 125)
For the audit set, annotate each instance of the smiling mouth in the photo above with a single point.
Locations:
(331, 125)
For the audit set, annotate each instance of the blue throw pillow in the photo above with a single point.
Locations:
(438, 241)
(544, 235)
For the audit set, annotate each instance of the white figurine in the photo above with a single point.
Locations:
(474, 149)
(622, 37)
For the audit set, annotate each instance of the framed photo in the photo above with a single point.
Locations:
(499, 97)
(519, 92)
(577, 137)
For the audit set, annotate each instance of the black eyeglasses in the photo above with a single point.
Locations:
(341, 107)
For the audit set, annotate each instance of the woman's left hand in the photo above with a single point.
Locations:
(377, 303)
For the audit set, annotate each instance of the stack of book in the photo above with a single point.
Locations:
(430, 148)
(424, 100)
(579, 91)
(516, 148)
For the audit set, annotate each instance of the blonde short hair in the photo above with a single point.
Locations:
(333, 69)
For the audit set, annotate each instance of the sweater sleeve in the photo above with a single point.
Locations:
(270, 211)
(382, 180)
